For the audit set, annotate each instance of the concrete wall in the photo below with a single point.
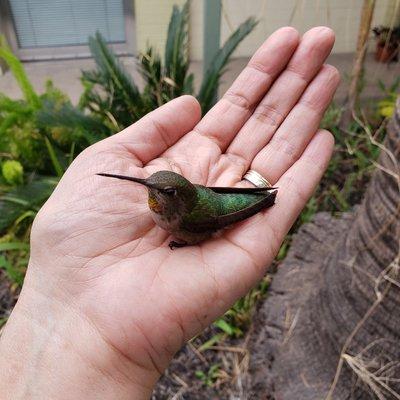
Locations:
(392, 16)
(343, 16)
(152, 18)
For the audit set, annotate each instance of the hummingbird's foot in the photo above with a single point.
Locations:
(172, 244)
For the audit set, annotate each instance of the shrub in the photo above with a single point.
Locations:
(40, 134)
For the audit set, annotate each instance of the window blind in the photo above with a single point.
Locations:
(45, 23)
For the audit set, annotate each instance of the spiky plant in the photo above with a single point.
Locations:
(209, 86)
(111, 93)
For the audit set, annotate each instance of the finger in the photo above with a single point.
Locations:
(239, 258)
(160, 129)
(307, 60)
(299, 182)
(292, 137)
(261, 236)
(225, 119)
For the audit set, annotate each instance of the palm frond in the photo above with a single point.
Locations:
(188, 85)
(176, 49)
(209, 86)
(150, 68)
(113, 76)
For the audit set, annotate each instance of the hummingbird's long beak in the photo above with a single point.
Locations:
(126, 178)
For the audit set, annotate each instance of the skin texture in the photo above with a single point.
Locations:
(106, 304)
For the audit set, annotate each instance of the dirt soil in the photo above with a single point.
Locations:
(246, 365)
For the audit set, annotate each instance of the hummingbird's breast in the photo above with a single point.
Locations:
(169, 223)
(162, 215)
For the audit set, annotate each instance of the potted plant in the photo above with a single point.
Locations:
(387, 43)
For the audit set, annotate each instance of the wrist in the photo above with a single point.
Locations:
(51, 351)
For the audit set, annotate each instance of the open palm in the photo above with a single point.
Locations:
(94, 242)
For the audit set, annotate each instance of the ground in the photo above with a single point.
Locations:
(260, 371)
(66, 73)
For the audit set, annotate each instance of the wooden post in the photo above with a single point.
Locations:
(367, 13)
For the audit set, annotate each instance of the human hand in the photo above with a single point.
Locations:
(102, 283)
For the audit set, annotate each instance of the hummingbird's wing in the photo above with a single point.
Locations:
(240, 190)
(231, 209)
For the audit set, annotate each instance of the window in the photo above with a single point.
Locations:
(46, 29)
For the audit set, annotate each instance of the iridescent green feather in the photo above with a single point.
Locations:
(213, 211)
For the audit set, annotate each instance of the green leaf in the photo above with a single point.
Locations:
(381, 85)
(211, 342)
(13, 273)
(13, 172)
(89, 127)
(21, 199)
(395, 85)
(210, 84)
(344, 205)
(113, 76)
(188, 86)
(19, 73)
(387, 111)
(225, 327)
(25, 215)
(71, 153)
(7, 246)
(3, 321)
(56, 163)
(176, 49)
(200, 375)
(152, 72)
(283, 251)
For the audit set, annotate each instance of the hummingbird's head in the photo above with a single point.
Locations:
(170, 194)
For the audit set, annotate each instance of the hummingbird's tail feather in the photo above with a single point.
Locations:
(241, 189)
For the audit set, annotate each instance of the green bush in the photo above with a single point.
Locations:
(40, 134)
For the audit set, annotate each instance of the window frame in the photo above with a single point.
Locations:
(67, 52)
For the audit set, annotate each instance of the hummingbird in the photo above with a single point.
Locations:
(192, 213)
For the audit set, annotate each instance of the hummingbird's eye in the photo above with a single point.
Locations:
(170, 191)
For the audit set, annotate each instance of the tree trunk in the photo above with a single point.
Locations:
(330, 328)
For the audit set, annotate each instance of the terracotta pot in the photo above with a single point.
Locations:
(386, 54)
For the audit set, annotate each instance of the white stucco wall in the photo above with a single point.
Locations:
(152, 18)
(342, 16)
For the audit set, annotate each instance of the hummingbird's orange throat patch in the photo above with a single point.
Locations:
(154, 205)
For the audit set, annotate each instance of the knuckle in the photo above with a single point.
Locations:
(283, 146)
(268, 113)
(238, 99)
(299, 74)
(298, 191)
